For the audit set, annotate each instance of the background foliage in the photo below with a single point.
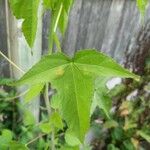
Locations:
(70, 76)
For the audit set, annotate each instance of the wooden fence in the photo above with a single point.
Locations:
(107, 25)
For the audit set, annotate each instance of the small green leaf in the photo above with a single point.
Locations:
(56, 121)
(56, 101)
(5, 138)
(28, 118)
(128, 145)
(86, 147)
(33, 92)
(71, 139)
(144, 135)
(103, 102)
(110, 124)
(66, 147)
(112, 147)
(117, 133)
(5, 81)
(17, 146)
(7, 134)
(101, 98)
(45, 127)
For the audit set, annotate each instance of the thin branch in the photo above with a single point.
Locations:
(58, 17)
(33, 140)
(46, 98)
(14, 97)
(12, 63)
(53, 29)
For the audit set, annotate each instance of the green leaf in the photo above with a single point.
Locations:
(117, 134)
(45, 127)
(86, 147)
(48, 4)
(55, 101)
(112, 147)
(144, 135)
(71, 139)
(142, 4)
(110, 124)
(103, 101)
(56, 121)
(128, 145)
(28, 118)
(67, 4)
(33, 92)
(5, 138)
(7, 135)
(5, 81)
(101, 98)
(66, 147)
(26, 10)
(74, 79)
(17, 146)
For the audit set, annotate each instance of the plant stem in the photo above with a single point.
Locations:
(53, 139)
(33, 140)
(12, 63)
(58, 17)
(49, 110)
(50, 38)
(53, 28)
(14, 97)
(47, 103)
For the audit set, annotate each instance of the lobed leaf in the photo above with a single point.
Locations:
(74, 79)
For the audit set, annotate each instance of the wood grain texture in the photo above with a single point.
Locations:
(107, 25)
(20, 53)
(4, 66)
(111, 26)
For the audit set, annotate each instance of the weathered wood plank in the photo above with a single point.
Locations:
(21, 55)
(107, 25)
(4, 66)
(69, 44)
